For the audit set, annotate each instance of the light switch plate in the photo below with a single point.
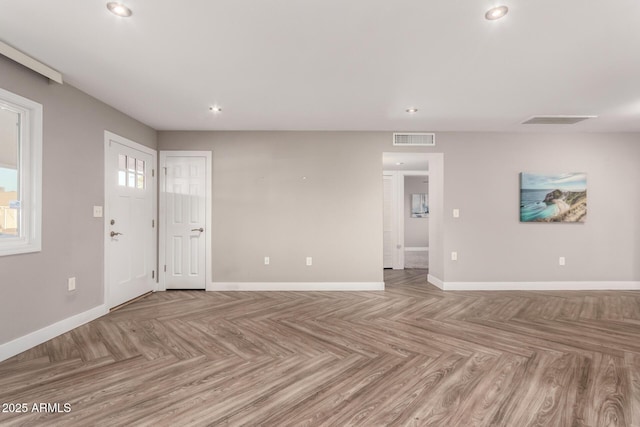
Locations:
(97, 211)
(266, 260)
(309, 261)
(456, 213)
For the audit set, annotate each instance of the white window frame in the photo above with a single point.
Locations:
(29, 173)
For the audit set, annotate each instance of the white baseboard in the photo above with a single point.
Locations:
(435, 281)
(539, 286)
(416, 249)
(296, 286)
(33, 339)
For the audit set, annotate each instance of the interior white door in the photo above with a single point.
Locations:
(130, 215)
(185, 201)
(388, 237)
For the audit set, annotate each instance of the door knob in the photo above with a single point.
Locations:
(198, 229)
(115, 233)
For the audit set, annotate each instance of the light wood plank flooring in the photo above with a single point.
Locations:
(411, 355)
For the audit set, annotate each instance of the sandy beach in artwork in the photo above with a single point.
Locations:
(562, 206)
(572, 207)
(553, 198)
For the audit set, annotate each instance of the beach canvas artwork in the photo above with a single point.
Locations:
(553, 198)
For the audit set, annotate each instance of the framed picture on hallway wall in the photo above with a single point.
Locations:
(419, 206)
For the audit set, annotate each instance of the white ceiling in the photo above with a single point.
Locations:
(344, 65)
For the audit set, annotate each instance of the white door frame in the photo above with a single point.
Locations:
(110, 136)
(393, 203)
(162, 284)
(436, 215)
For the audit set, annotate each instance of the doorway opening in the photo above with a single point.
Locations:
(412, 212)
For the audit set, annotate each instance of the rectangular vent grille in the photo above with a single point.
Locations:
(414, 139)
(556, 120)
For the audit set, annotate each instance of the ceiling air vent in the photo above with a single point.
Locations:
(414, 139)
(556, 120)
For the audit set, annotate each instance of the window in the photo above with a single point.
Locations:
(130, 172)
(20, 174)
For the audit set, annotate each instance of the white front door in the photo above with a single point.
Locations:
(184, 200)
(130, 219)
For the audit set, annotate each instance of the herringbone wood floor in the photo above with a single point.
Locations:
(411, 355)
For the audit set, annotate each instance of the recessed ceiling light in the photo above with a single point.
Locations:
(411, 110)
(496, 13)
(215, 109)
(119, 9)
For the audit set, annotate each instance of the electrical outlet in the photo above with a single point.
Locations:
(454, 256)
(97, 211)
(71, 284)
(266, 260)
(456, 213)
(309, 261)
(561, 261)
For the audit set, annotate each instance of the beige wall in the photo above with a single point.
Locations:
(33, 287)
(262, 207)
(482, 180)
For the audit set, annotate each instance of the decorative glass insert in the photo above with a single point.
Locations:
(131, 172)
(122, 170)
(140, 174)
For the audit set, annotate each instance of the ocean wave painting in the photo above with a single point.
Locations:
(553, 198)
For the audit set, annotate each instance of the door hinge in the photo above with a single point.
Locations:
(153, 173)
(165, 170)
(165, 268)
(153, 223)
(153, 274)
